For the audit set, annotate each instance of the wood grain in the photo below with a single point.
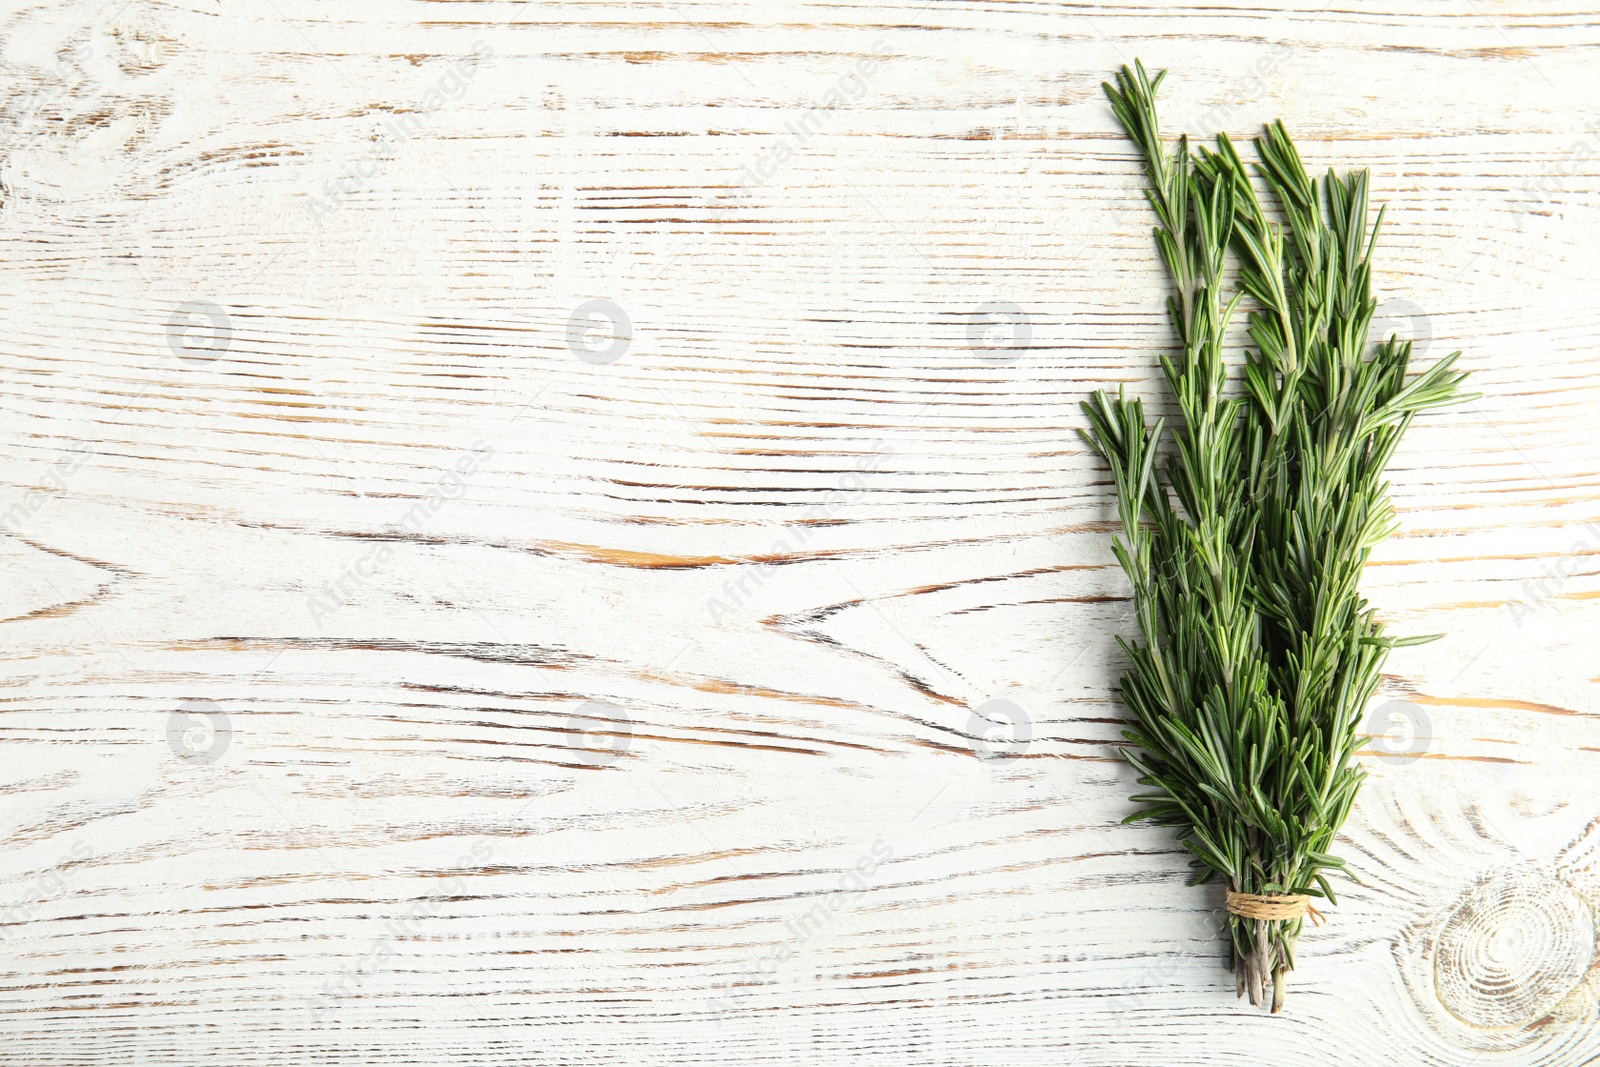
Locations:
(555, 533)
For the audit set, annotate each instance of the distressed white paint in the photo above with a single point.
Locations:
(634, 663)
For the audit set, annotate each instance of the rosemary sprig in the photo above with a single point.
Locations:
(1245, 547)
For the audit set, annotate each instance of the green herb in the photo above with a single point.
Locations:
(1245, 539)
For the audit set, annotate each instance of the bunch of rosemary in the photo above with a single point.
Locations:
(1245, 544)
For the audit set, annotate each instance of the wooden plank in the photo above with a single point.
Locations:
(555, 533)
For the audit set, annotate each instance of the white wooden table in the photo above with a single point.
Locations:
(555, 534)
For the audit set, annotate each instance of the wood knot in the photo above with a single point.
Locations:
(1513, 947)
